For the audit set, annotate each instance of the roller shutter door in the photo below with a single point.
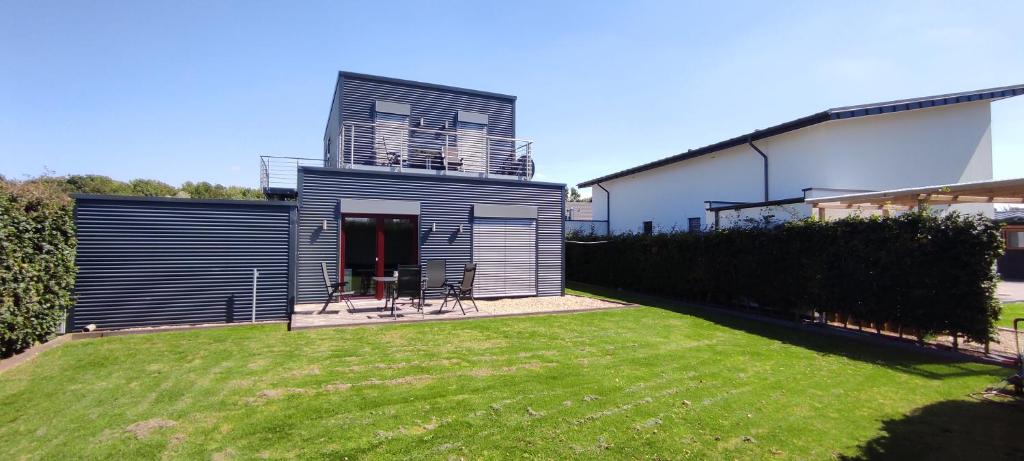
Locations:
(472, 141)
(391, 136)
(505, 253)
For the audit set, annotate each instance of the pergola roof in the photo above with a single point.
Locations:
(992, 191)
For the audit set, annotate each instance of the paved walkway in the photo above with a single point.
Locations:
(1010, 291)
(368, 311)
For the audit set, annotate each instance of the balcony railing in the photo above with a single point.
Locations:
(397, 146)
(283, 172)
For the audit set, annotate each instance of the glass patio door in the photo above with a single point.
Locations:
(376, 246)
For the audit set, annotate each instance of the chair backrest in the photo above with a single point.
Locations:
(408, 281)
(468, 276)
(327, 278)
(435, 273)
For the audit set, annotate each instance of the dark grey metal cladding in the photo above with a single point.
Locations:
(446, 201)
(149, 262)
(435, 105)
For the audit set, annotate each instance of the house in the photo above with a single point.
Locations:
(417, 171)
(787, 171)
(410, 172)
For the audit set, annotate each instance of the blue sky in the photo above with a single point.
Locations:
(185, 90)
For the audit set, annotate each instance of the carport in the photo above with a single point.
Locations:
(1008, 191)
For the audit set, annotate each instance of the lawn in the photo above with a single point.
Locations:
(1010, 312)
(648, 382)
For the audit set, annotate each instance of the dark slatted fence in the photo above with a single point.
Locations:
(153, 261)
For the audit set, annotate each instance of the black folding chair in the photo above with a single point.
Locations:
(409, 285)
(335, 288)
(462, 289)
(436, 277)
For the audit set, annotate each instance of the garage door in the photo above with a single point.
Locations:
(505, 253)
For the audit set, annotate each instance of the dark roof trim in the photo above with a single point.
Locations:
(358, 76)
(135, 198)
(417, 175)
(838, 113)
(743, 206)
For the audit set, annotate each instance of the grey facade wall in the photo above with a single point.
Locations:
(355, 96)
(150, 262)
(446, 201)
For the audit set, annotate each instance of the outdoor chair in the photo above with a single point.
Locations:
(452, 159)
(462, 289)
(335, 288)
(409, 285)
(436, 277)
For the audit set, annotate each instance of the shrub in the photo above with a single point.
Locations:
(931, 274)
(37, 271)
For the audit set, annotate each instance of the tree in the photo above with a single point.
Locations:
(572, 195)
(152, 188)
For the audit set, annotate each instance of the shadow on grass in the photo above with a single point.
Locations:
(900, 356)
(953, 429)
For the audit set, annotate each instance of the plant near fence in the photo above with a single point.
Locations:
(918, 272)
(37, 269)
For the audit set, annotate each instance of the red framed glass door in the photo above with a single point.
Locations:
(375, 245)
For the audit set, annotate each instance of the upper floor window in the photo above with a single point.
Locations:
(693, 224)
(648, 227)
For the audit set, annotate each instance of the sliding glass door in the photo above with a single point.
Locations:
(373, 245)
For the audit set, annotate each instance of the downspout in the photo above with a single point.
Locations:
(765, 157)
(607, 207)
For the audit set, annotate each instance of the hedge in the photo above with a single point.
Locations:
(37, 271)
(924, 273)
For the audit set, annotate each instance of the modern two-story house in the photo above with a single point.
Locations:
(411, 172)
(865, 158)
(415, 171)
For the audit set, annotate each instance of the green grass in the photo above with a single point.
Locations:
(646, 382)
(1010, 312)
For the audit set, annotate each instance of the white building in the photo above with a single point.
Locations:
(769, 173)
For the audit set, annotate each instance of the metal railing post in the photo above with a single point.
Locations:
(487, 156)
(352, 147)
(341, 148)
(447, 151)
(255, 274)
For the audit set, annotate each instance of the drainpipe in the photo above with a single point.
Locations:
(765, 157)
(607, 207)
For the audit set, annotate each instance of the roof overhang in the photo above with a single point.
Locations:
(991, 191)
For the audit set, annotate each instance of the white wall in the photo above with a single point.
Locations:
(923, 147)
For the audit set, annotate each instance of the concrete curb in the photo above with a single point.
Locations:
(32, 352)
(144, 331)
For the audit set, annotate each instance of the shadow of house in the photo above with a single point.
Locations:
(953, 429)
(902, 356)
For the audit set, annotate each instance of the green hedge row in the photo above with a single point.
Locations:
(928, 274)
(37, 268)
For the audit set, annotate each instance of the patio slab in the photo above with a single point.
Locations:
(369, 311)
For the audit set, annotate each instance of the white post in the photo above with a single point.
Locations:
(255, 274)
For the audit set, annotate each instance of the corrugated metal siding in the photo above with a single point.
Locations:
(145, 262)
(435, 106)
(444, 200)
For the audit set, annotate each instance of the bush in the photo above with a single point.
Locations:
(37, 271)
(930, 274)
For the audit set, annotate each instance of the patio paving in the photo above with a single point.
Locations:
(368, 311)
